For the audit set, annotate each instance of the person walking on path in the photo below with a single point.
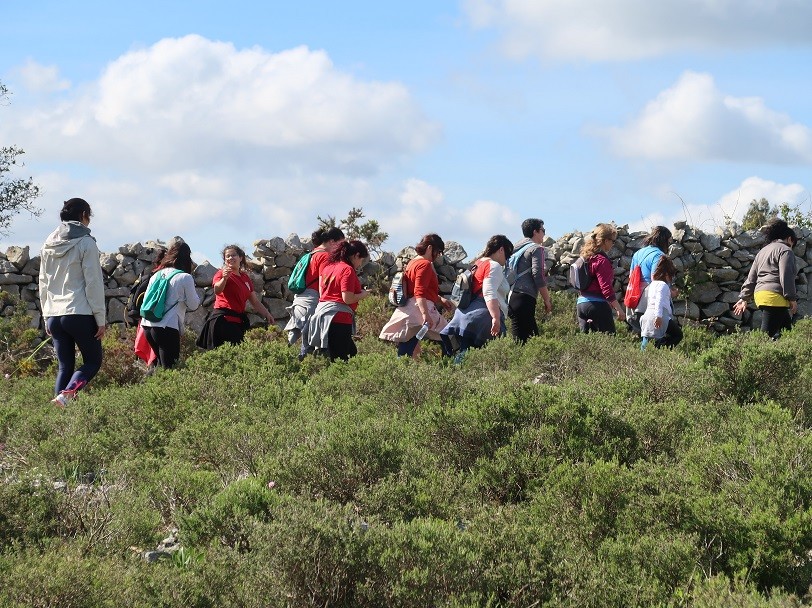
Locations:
(530, 282)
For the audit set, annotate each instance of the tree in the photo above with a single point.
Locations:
(757, 214)
(369, 232)
(16, 194)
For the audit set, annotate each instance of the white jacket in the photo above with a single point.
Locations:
(180, 297)
(70, 274)
(658, 297)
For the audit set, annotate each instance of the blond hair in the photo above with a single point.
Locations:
(594, 242)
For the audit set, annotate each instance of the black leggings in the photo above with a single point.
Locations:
(596, 316)
(68, 332)
(774, 319)
(340, 342)
(522, 315)
(165, 343)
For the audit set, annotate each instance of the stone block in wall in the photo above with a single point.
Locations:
(115, 311)
(293, 242)
(711, 259)
(710, 242)
(729, 297)
(387, 259)
(275, 289)
(447, 272)
(196, 318)
(30, 292)
(132, 249)
(454, 252)
(715, 309)
(724, 252)
(683, 308)
(276, 245)
(12, 290)
(724, 275)
(8, 278)
(257, 280)
(800, 264)
(277, 308)
(7, 267)
(286, 259)
(735, 263)
(731, 244)
(32, 268)
(18, 256)
(750, 239)
(117, 292)
(728, 322)
(446, 286)
(800, 249)
(744, 255)
(109, 262)
(693, 246)
(704, 293)
(254, 264)
(275, 272)
(204, 274)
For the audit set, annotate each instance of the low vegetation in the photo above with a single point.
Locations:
(576, 471)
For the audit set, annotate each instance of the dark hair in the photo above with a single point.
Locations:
(322, 235)
(776, 229)
(659, 237)
(665, 269)
(347, 249)
(179, 256)
(239, 251)
(430, 239)
(529, 226)
(495, 243)
(74, 210)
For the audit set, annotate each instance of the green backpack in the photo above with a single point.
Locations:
(296, 281)
(153, 307)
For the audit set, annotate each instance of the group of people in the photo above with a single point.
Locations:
(505, 283)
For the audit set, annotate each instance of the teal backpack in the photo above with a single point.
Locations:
(296, 281)
(153, 307)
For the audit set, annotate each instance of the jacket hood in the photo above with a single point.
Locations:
(65, 237)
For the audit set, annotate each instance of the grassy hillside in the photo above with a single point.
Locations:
(575, 471)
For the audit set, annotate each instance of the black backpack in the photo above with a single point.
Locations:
(132, 311)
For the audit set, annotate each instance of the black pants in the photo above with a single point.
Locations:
(340, 342)
(68, 332)
(596, 316)
(165, 343)
(672, 337)
(522, 315)
(774, 319)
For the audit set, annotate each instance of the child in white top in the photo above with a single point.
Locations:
(656, 319)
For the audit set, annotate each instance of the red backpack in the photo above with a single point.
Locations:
(634, 290)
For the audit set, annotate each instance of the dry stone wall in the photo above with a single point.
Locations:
(711, 268)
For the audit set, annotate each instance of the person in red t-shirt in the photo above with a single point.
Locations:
(325, 240)
(233, 289)
(339, 284)
(423, 293)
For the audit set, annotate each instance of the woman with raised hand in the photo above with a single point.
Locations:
(164, 335)
(771, 280)
(422, 288)
(484, 317)
(71, 291)
(233, 290)
(596, 302)
(332, 325)
(325, 241)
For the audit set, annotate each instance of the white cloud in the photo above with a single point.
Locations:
(695, 121)
(190, 102)
(616, 30)
(40, 78)
(731, 205)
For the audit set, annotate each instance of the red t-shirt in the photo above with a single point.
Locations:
(317, 260)
(239, 288)
(421, 280)
(334, 279)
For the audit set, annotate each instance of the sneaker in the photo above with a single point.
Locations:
(63, 398)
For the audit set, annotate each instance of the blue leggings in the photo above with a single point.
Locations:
(68, 332)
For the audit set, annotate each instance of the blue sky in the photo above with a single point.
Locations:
(229, 122)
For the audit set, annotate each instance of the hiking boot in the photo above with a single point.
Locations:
(63, 398)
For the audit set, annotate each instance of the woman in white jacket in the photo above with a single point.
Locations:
(658, 322)
(71, 292)
(164, 335)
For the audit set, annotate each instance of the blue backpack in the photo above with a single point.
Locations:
(513, 263)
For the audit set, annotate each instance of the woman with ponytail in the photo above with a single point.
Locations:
(325, 240)
(596, 302)
(332, 325)
(71, 291)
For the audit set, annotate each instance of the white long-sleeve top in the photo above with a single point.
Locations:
(495, 285)
(658, 297)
